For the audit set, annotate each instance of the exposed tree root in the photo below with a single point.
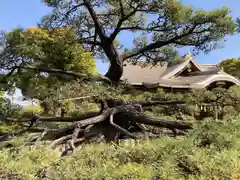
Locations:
(119, 120)
(60, 140)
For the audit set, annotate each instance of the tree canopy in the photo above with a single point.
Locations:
(159, 27)
(33, 58)
(231, 66)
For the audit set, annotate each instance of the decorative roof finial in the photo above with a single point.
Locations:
(188, 54)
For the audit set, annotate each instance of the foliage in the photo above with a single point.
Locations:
(27, 162)
(31, 109)
(75, 30)
(7, 109)
(78, 98)
(158, 27)
(209, 151)
(217, 135)
(25, 52)
(231, 66)
(40, 61)
(167, 158)
(221, 101)
(168, 16)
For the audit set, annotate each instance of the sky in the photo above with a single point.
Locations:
(27, 13)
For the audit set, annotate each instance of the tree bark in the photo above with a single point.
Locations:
(115, 69)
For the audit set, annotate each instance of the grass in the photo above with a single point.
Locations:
(210, 151)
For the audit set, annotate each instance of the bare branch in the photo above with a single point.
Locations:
(176, 124)
(60, 140)
(7, 135)
(75, 136)
(68, 119)
(150, 29)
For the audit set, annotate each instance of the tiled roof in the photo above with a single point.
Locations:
(164, 76)
(137, 74)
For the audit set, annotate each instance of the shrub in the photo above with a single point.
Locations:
(217, 135)
(166, 158)
(26, 162)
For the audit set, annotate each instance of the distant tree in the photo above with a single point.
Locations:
(231, 66)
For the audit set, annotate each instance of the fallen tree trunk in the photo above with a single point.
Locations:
(68, 119)
(116, 120)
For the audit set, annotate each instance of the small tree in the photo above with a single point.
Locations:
(35, 56)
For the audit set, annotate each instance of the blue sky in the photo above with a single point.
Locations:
(27, 13)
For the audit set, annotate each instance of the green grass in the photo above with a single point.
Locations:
(210, 151)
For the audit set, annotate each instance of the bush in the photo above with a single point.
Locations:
(162, 159)
(216, 135)
(26, 162)
(166, 158)
(209, 151)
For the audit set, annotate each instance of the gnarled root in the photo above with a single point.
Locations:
(114, 123)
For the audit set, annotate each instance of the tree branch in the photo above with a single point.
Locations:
(85, 41)
(77, 75)
(119, 128)
(74, 8)
(121, 8)
(57, 71)
(98, 26)
(121, 20)
(69, 119)
(142, 28)
(158, 44)
(170, 124)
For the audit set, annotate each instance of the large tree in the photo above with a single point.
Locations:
(159, 26)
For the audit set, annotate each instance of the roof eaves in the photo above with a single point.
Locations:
(188, 58)
(218, 77)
